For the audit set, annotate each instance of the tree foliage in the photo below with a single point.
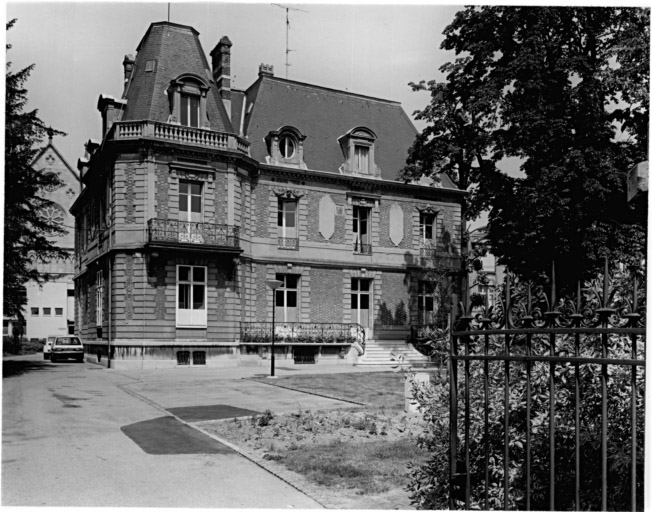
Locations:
(565, 90)
(25, 231)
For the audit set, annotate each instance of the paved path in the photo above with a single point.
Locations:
(69, 430)
(205, 389)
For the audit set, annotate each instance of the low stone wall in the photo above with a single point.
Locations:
(191, 353)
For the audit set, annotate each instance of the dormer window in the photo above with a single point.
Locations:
(189, 110)
(361, 154)
(187, 94)
(358, 148)
(285, 147)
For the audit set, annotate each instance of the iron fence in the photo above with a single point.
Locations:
(546, 399)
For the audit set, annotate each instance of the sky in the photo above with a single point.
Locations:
(78, 49)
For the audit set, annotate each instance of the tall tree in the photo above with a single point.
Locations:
(25, 231)
(564, 90)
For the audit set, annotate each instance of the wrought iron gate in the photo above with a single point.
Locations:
(546, 399)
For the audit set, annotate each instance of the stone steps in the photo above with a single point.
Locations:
(379, 352)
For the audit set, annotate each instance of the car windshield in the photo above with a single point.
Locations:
(68, 341)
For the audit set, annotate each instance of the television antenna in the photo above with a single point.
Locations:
(287, 34)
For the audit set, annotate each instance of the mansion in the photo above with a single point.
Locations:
(200, 195)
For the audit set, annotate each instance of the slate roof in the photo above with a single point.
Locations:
(237, 99)
(177, 50)
(323, 115)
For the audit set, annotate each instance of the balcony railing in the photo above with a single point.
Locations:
(359, 248)
(290, 244)
(435, 251)
(202, 233)
(302, 332)
(124, 130)
(439, 255)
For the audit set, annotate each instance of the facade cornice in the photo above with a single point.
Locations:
(356, 183)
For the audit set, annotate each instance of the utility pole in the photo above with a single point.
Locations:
(287, 33)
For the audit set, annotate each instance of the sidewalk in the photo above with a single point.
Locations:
(196, 387)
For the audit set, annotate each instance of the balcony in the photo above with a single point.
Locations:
(296, 333)
(359, 248)
(129, 130)
(432, 255)
(288, 244)
(193, 235)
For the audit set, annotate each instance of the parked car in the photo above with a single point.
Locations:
(47, 348)
(67, 347)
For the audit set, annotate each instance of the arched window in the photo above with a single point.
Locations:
(285, 147)
(53, 214)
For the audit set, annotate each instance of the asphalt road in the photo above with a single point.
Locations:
(77, 435)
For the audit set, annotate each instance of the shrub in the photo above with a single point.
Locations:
(265, 418)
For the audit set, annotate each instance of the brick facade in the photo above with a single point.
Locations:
(312, 199)
(326, 288)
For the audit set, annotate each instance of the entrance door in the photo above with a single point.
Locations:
(361, 301)
(286, 298)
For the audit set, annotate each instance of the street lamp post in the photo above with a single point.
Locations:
(273, 284)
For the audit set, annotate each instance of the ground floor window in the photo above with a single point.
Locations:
(360, 301)
(286, 298)
(426, 302)
(486, 292)
(191, 296)
(99, 298)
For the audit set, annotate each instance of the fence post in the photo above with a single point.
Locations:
(452, 418)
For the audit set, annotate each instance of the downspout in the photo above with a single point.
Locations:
(108, 342)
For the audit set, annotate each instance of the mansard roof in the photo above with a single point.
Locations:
(166, 52)
(324, 115)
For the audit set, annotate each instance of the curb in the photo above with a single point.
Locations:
(308, 392)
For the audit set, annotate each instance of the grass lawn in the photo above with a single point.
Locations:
(368, 468)
(380, 389)
(359, 454)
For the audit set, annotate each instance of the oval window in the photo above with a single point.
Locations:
(286, 146)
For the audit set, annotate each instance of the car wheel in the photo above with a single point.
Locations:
(80, 359)
(52, 358)
(45, 356)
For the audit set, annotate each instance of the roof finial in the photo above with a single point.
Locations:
(50, 132)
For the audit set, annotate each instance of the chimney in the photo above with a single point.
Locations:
(111, 110)
(265, 70)
(128, 66)
(221, 57)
